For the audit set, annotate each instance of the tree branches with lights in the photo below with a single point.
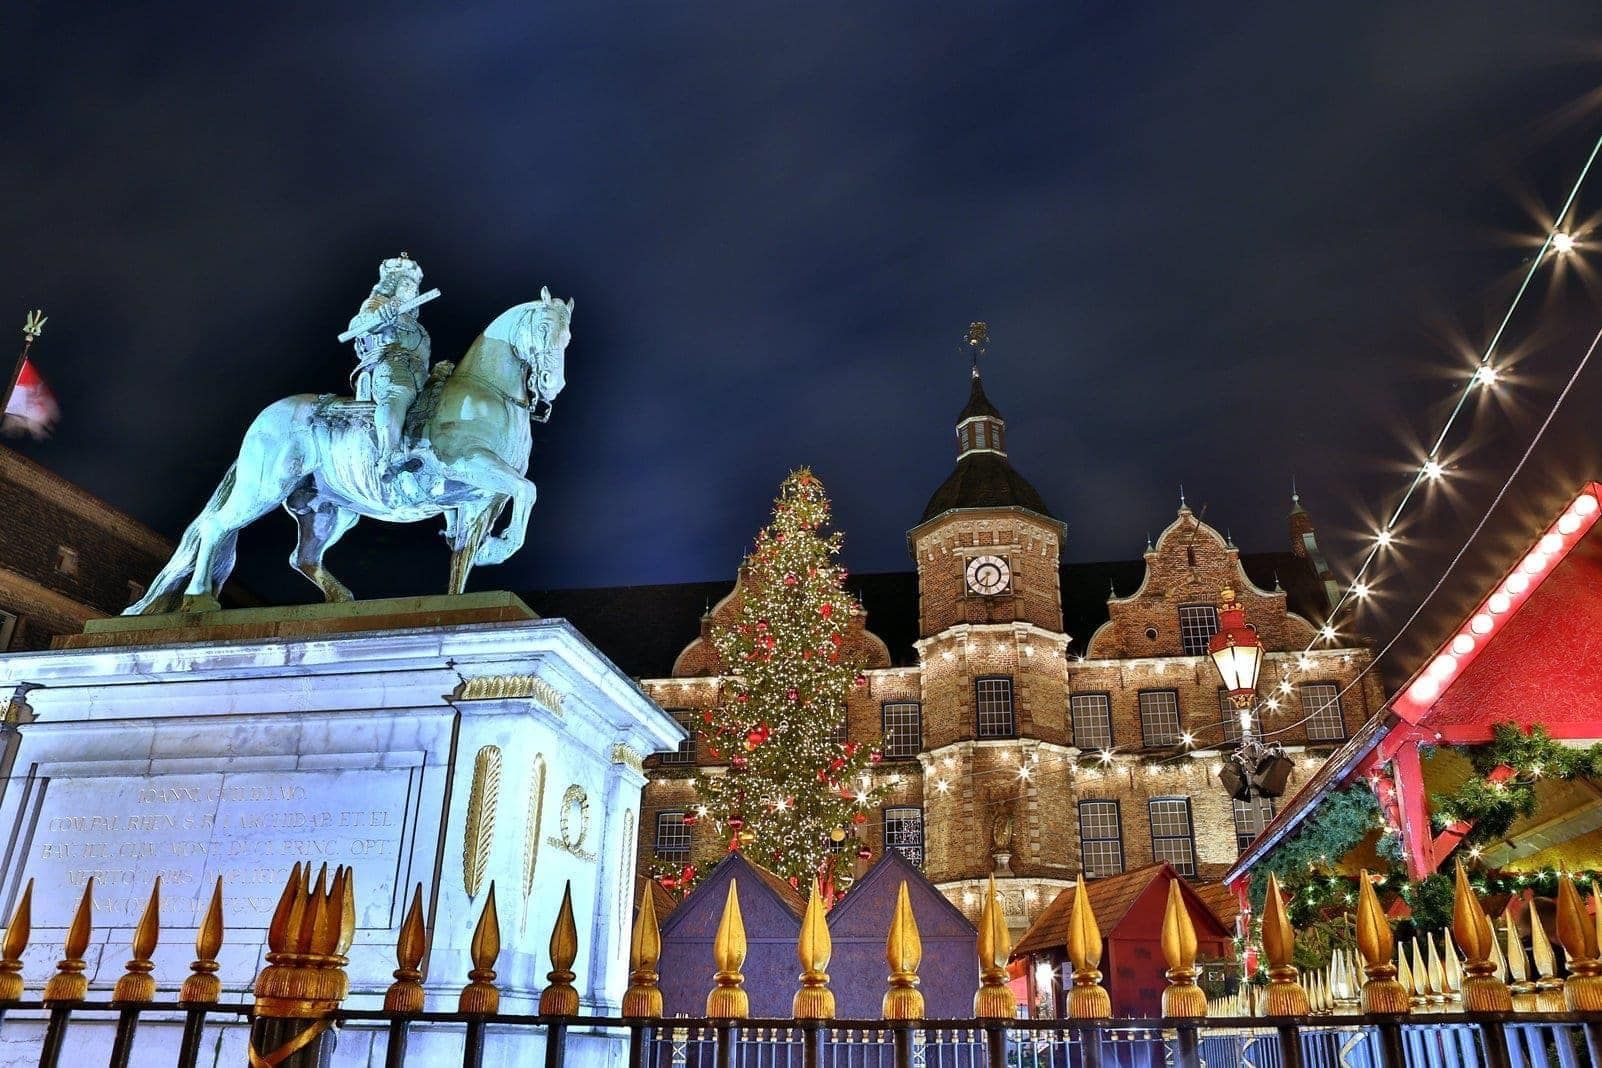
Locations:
(793, 789)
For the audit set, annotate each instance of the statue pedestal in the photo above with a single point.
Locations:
(451, 742)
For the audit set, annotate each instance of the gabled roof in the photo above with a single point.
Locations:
(1544, 613)
(874, 895)
(753, 879)
(1110, 899)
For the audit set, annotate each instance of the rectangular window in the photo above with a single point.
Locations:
(993, 699)
(66, 560)
(903, 729)
(838, 735)
(1228, 717)
(685, 753)
(1101, 839)
(8, 626)
(1251, 817)
(903, 832)
(672, 835)
(1159, 717)
(1197, 623)
(1171, 836)
(1321, 704)
(1092, 720)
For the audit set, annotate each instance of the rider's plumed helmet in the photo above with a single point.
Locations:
(399, 276)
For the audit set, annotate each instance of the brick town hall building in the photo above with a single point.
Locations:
(1033, 724)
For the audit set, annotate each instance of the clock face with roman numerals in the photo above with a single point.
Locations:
(988, 575)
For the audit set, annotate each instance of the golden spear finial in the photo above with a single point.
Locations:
(814, 1001)
(1582, 990)
(904, 952)
(1087, 998)
(480, 995)
(405, 994)
(201, 986)
(69, 983)
(1183, 998)
(11, 949)
(560, 998)
(1382, 993)
(1548, 987)
(1482, 990)
(137, 985)
(1286, 997)
(727, 1000)
(643, 999)
(994, 999)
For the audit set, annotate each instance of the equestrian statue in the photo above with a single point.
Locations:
(415, 442)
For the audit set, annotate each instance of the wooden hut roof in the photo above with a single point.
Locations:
(1110, 899)
(736, 866)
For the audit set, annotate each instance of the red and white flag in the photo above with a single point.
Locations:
(32, 409)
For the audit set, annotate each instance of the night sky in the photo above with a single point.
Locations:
(1215, 248)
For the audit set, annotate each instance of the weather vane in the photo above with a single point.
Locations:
(978, 336)
(33, 325)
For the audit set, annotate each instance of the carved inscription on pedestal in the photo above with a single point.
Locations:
(248, 827)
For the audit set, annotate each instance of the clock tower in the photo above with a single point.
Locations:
(987, 547)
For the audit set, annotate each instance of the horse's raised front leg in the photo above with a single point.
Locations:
(485, 470)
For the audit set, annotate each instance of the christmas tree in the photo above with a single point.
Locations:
(794, 788)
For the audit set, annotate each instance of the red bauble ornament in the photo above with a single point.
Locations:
(790, 580)
(875, 756)
(793, 695)
(851, 749)
(837, 639)
(795, 884)
(735, 823)
(861, 680)
(826, 609)
(859, 817)
(668, 882)
(734, 844)
(690, 819)
(836, 764)
(834, 656)
(806, 654)
(741, 697)
(706, 717)
(737, 762)
(688, 874)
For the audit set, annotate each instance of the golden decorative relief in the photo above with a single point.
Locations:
(628, 756)
(536, 812)
(482, 801)
(573, 823)
(504, 687)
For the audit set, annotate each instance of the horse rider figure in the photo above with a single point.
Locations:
(392, 354)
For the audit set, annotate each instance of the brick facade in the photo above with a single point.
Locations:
(68, 556)
(1002, 795)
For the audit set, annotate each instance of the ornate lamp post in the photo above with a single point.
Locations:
(1254, 769)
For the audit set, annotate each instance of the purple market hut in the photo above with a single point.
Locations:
(772, 911)
(860, 923)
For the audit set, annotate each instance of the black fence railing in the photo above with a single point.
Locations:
(145, 1035)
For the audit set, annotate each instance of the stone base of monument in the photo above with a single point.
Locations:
(448, 742)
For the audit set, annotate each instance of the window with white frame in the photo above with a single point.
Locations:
(1251, 817)
(1101, 839)
(993, 700)
(672, 834)
(903, 832)
(1091, 714)
(685, 753)
(1197, 624)
(1321, 704)
(838, 734)
(1172, 837)
(1159, 717)
(903, 729)
(1228, 717)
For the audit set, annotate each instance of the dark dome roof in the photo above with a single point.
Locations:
(978, 403)
(984, 480)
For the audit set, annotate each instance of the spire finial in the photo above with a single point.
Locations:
(1182, 504)
(978, 337)
(1149, 546)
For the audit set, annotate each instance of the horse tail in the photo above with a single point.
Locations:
(166, 588)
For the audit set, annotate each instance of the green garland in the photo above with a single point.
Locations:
(1493, 807)
(1344, 819)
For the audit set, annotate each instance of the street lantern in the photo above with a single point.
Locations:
(1236, 651)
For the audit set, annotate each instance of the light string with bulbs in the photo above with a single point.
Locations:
(1485, 375)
